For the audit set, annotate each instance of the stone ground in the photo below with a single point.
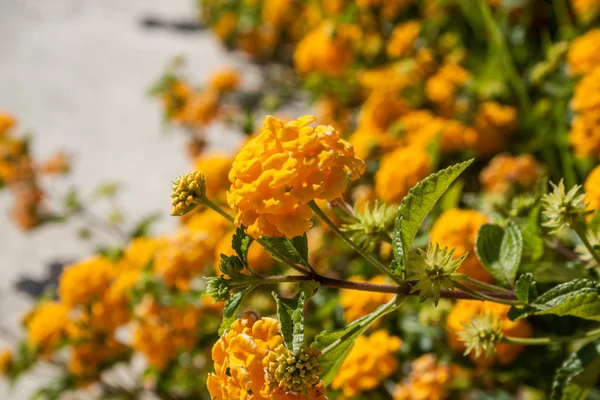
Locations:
(75, 72)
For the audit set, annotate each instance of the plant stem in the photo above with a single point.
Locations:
(483, 285)
(485, 296)
(498, 297)
(229, 218)
(581, 233)
(549, 340)
(382, 268)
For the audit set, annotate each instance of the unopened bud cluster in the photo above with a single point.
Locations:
(295, 373)
(188, 190)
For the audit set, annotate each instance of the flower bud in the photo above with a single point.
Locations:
(188, 191)
(481, 335)
(562, 208)
(295, 373)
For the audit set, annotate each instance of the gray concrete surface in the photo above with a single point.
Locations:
(75, 72)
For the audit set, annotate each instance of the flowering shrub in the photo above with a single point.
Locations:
(434, 235)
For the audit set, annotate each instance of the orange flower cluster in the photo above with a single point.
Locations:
(505, 172)
(277, 173)
(428, 380)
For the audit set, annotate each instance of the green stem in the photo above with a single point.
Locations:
(382, 268)
(581, 233)
(229, 218)
(512, 74)
(483, 285)
(549, 340)
(485, 297)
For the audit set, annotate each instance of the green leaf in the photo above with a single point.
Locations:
(417, 204)
(241, 243)
(231, 308)
(294, 250)
(578, 374)
(533, 243)
(525, 288)
(578, 298)
(451, 199)
(291, 319)
(499, 250)
(336, 344)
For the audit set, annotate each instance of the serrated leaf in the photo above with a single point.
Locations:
(291, 320)
(231, 308)
(294, 250)
(417, 204)
(533, 243)
(578, 374)
(336, 344)
(241, 243)
(499, 250)
(525, 288)
(578, 298)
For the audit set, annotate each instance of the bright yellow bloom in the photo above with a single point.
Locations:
(139, 253)
(428, 380)
(369, 363)
(358, 304)
(381, 109)
(216, 170)
(402, 40)
(212, 225)
(393, 183)
(6, 360)
(85, 281)
(421, 128)
(399, 74)
(6, 122)
(585, 132)
(238, 356)
(442, 86)
(465, 310)
(505, 171)
(184, 257)
(278, 12)
(592, 189)
(586, 9)
(495, 123)
(226, 25)
(286, 166)
(459, 228)
(225, 80)
(584, 53)
(259, 260)
(113, 310)
(322, 53)
(47, 325)
(161, 332)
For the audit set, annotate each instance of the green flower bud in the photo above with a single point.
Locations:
(368, 227)
(563, 209)
(433, 271)
(188, 191)
(293, 373)
(481, 335)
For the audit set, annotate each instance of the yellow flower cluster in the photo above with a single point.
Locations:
(358, 304)
(47, 325)
(586, 9)
(592, 189)
(428, 380)
(370, 361)
(6, 362)
(458, 229)
(162, 332)
(494, 124)
(393, 183)
(584, 53)
(585, 130)
(88, 356)
(465, 310)
(225, 80)
(505, 172)
(6, 123)
(402, 40)
(187, 107)
(216, 168)
(287, 165)
(322, 53)
(85, 281)
(241, 360)
(441, 88)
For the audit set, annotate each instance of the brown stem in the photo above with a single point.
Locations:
(371, 287)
